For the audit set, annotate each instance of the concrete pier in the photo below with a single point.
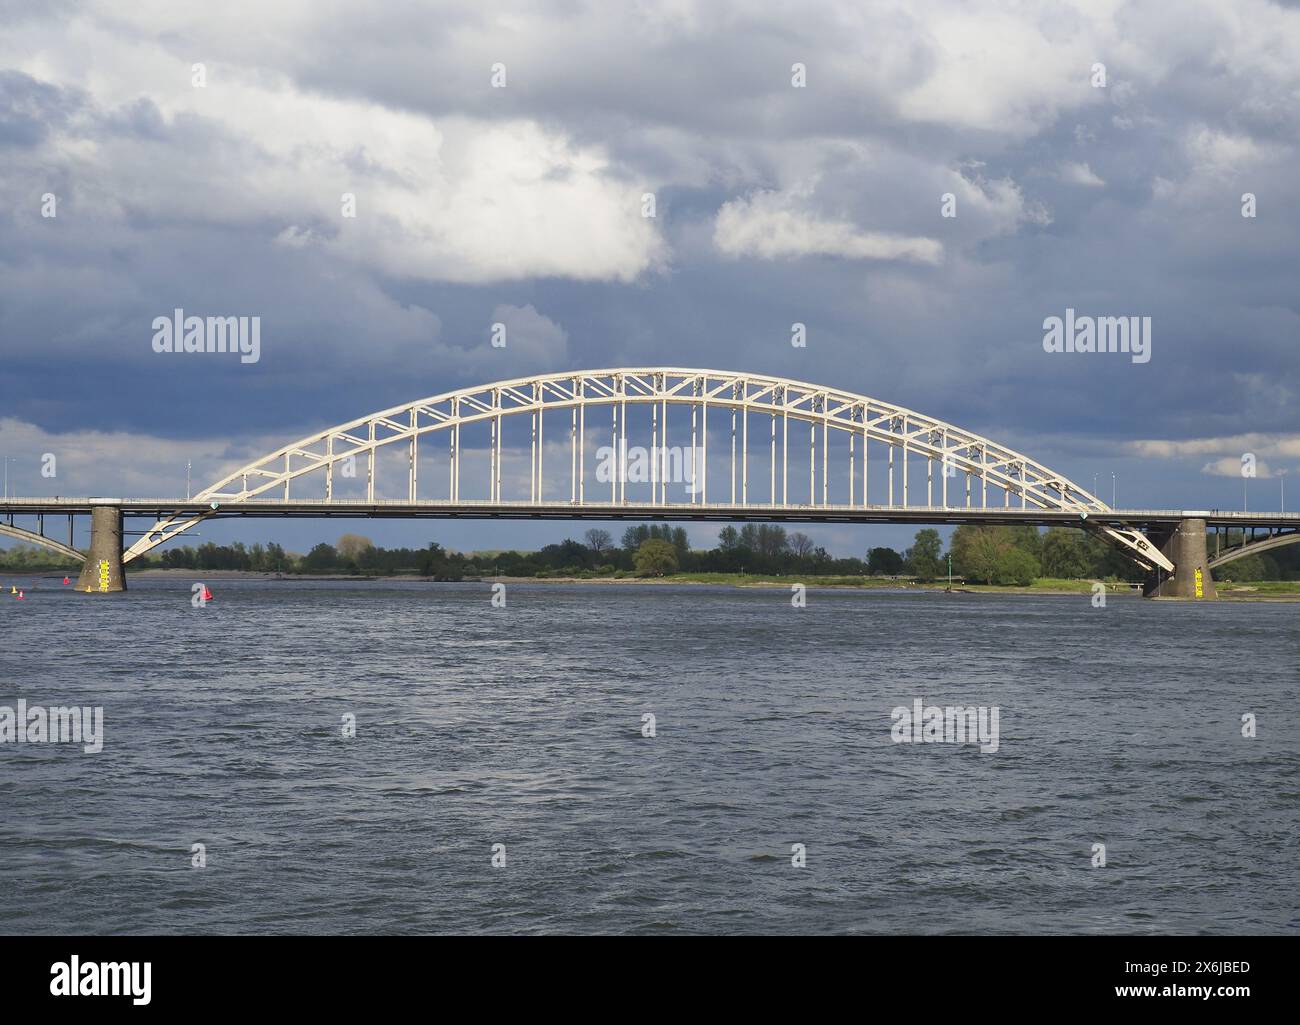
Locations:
(1185, 546)
(102, 571)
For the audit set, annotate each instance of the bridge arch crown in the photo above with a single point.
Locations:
(605, 406)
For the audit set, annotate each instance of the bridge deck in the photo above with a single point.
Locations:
(718, 512)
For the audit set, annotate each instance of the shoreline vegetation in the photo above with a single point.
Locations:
(1268, 590)
(980, 559)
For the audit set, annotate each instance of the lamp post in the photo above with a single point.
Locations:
(1112, 491)
(187, 480)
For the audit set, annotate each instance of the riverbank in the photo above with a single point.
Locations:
(715, 579)
(1265, 590)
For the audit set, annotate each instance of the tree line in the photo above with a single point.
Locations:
(982, 554)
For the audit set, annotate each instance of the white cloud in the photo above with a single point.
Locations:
(1074, 173)
(1231, 452)
(999, 203)
(1219, 164)
(773, 225)
(1006, 68)
(122, 464)
(1272, 444)
(457, 199)
(1228, 466)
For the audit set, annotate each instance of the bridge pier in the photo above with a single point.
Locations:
(102, 571)
(1185, 546)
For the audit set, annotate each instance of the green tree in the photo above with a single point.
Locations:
(1248, 567)
(977, 551)
(277, 561)
(1027, 539)
(1017, 567)
(655, 558)
(1066, 555)
(884, 562)
(634, 536)
(23, 556)
(437, 563)
(983, 553)
(772, 541)
(996, 555)
(924, 557)
(321, 559)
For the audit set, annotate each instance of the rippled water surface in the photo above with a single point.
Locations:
(522, 726)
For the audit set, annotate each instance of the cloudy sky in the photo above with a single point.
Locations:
(218, 189)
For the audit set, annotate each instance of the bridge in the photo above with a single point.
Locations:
(614, 461)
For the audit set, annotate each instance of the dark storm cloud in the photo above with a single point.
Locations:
(30, 110)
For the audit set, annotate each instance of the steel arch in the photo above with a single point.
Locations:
(1252, 546)
(743, 395)
(9, 530)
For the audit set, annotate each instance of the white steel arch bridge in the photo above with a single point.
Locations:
(717, 445)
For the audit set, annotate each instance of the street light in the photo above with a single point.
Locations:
(1112, 491)
(187, 480)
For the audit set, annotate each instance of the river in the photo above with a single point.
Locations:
(771, 797)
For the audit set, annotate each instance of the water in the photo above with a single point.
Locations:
(522, 726)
